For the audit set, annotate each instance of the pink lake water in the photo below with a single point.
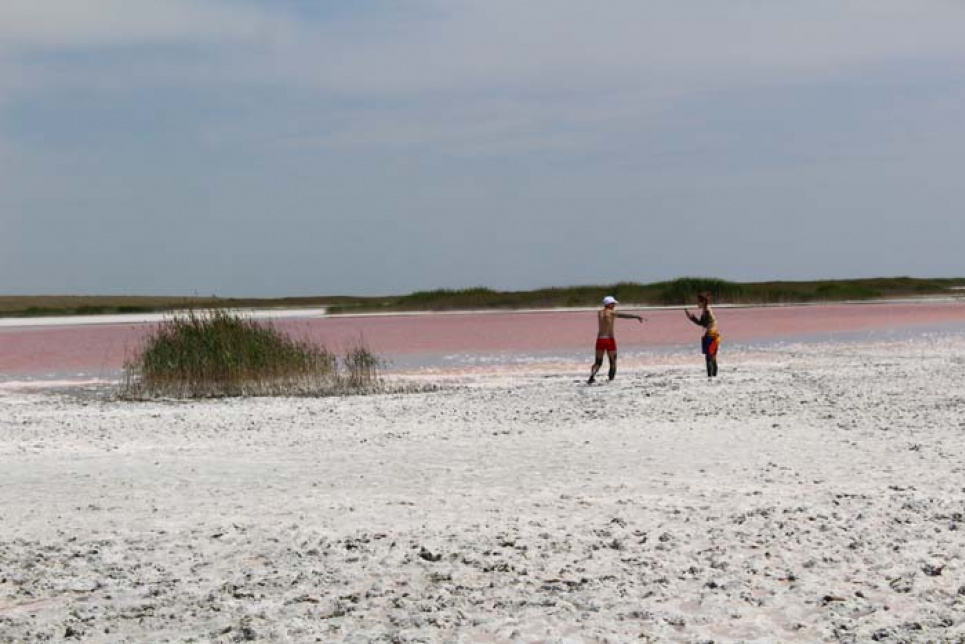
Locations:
(431, 339)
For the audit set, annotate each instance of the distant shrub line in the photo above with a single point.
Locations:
(42, 311)
(669, 293)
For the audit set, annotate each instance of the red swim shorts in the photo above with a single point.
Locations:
(606, 344)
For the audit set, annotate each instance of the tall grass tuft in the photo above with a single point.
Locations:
(360, 367)
(218, 353)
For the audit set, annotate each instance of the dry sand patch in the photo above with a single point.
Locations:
(814, 493)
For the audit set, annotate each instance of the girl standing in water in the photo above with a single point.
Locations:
(710, 342)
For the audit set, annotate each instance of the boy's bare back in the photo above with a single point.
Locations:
(606, 318)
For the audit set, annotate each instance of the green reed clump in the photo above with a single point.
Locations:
(360, 367)
(217, 353)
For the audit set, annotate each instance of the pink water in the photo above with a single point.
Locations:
(102, 349)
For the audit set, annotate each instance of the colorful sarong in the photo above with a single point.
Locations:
(710, 343)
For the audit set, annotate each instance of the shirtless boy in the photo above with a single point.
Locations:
(605, 340)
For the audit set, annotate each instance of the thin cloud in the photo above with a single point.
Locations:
(38, 25)
(432, 46)
(568, 43)
(486, 127)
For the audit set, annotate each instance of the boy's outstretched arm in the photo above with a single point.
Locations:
(630, 316)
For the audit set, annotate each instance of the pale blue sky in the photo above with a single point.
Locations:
(293, 147)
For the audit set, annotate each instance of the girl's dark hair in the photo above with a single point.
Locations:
(704, 296)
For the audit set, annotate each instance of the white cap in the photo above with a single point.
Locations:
(609, 299)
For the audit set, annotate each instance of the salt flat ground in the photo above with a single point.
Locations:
(813, 493)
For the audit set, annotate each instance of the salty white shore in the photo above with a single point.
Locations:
(815, 493)
(150, 318)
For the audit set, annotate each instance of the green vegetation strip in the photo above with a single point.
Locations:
(673, 292)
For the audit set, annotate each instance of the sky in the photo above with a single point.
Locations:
(319, 147)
